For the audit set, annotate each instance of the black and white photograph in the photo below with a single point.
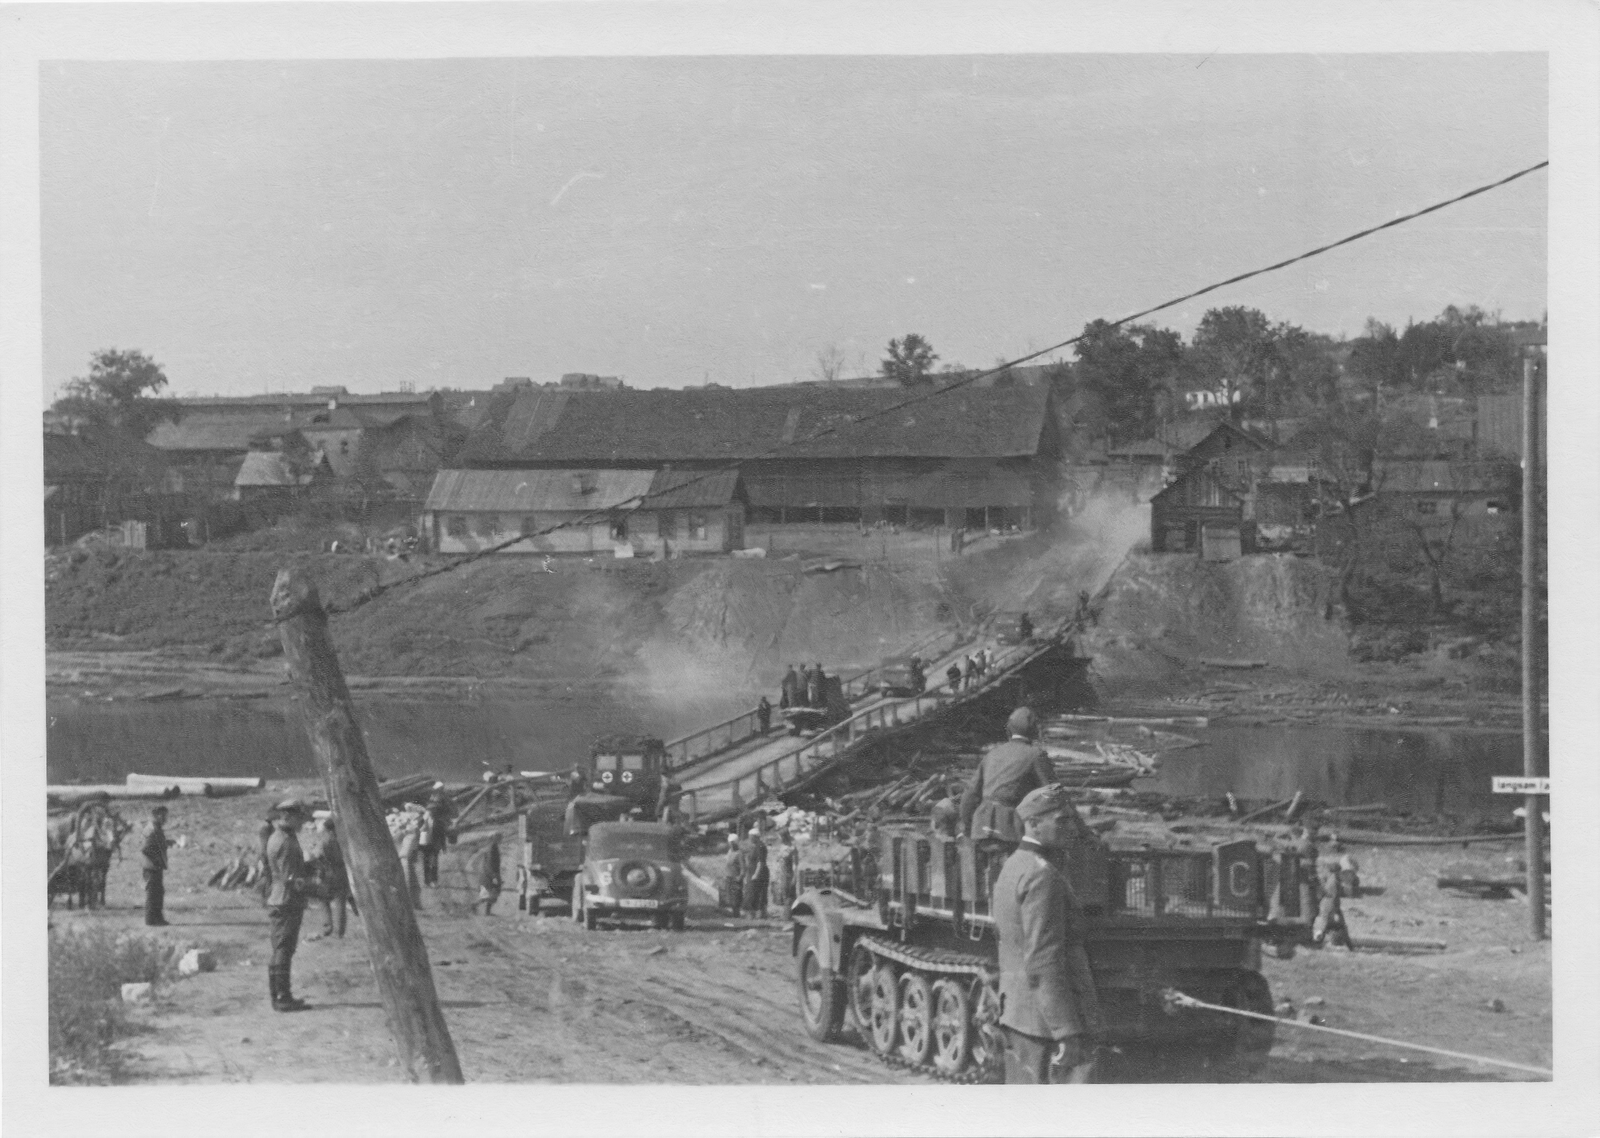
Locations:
(728, 577)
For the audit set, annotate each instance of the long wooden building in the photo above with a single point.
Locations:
(975, 457)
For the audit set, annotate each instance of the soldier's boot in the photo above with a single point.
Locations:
(283, 999)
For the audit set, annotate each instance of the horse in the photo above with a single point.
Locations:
(79, 850)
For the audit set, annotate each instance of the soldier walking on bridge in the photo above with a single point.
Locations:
(791, 692)
(1050, 1012)
(1006, 776)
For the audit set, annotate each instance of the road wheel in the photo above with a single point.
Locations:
(658, 919)
(677, 921)
(883, 1011)
(589, 917)
(533, 905)
(822, 996)
(916, 1018)
(987, 1040)
(858, 988)
(952, 1025)
(575, 904)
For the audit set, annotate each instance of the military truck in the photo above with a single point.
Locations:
(913, 968)
(624, 776)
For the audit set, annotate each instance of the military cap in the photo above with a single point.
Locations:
(293, 806)
(1046, 800)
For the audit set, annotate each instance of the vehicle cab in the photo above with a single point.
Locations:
(632, 871)
(901, 676)
(1013, 628)
(630, 766)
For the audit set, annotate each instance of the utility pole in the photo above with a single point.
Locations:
(1532, 647)
(394, 943)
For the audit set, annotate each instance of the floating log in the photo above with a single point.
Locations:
(1371, 806)
(110, 790)
(1220, 662)
(1147, 720)
(1378, 838)
(197, 787)
(182, 782)
(1368, 943)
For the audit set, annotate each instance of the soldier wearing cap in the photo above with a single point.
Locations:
(1048, 1006)
(286, 900)
(1008, 772)
(153, 858)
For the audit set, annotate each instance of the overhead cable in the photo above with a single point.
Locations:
(968, 380)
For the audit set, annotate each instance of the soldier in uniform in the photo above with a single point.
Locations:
(286, 901)
(153, 856)
(1049, 1010)
(1006, 775)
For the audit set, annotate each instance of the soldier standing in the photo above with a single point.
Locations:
(153, 855)
(286, 901)
(756, 877)
(489, 875)
(785, 870)
(1049, 1010)
(1004, 778)
(764, 715)
(790, 689)
(733, 876)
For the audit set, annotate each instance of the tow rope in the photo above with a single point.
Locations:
(1176, 999)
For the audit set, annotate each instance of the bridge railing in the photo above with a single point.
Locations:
(746, 726)
(785, 770)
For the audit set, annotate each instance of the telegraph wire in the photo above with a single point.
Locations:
(374, 592)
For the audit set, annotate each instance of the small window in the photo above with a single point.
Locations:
(697, 527)
(633, 762)
(489, 525)
(528, 526)
(1427, 507)
(619, 529)
(664, 524)
(456, 525)
(1494, 507)
(605, 762)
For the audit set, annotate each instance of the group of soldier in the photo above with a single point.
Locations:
(754, 876)
(805, 687)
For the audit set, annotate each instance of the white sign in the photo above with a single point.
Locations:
(1519, 784)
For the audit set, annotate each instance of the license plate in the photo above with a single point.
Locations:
(638, 903)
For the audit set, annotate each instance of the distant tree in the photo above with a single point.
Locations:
(119, 395)
(1376, 358)
(113, 409)
(1127, 370)
(830, 364)
(1237, 347)
(910, 360)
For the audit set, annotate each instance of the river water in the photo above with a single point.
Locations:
(1420, 770)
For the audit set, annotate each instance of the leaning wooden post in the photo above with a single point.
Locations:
(394, 943)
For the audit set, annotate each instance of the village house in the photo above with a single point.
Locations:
(612, 512)
(275, 476)
(1209, 507)
(980, 458)
(207, 445)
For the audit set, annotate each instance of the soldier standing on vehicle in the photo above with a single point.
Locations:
(952, 675)
(816, 687)
(1006, 775)
(153, 855)
(756, 877)
(286, 902)
(945, 817)
(577, 783)
(1049, 1009)
(790, 689)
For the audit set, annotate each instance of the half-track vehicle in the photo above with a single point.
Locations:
(1012, 627)
(912, 968)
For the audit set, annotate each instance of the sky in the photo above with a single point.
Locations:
(267, 226)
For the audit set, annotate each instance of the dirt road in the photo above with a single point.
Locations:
(538, 1000)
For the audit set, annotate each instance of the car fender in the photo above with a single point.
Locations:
(821, 908)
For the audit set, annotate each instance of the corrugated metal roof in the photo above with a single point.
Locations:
(709, 425)
(219, 432)
(528, 491)
(690, 490)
